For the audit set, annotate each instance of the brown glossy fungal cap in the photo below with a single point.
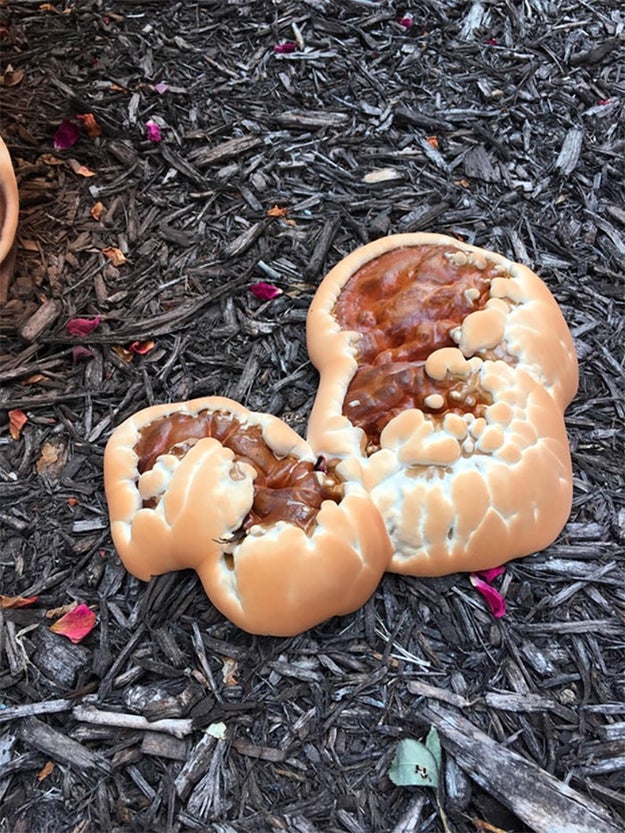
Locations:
(187, 507)
(468, 462)
(9, 202)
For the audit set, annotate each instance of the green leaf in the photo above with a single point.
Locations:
(414, 765)
(433, 744)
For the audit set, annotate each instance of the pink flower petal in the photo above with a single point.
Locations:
(153, 131)
(491, 41)
(285, 48)
(406, 20)
(265, 291)
(66, 135)
(493, 597)
(81, 354)
(490, 575)
(76, 624)
(82, 326)
(161, 87)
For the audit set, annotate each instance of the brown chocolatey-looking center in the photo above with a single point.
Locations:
(285, 488)
(405, 304)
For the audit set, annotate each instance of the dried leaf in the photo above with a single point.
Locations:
(47, 769)
(82, 326)
(17, 420)
(67, 135)
(277, 211)
(116, 256)
(229, 671)
(12, 77)
(80, 170)
(124, 354)
(265, 291)
(76, 624)
(88, 121)
(96, 210)
(9, 602)
(493, 597)
(50, 159)
(153, 131)
(51, 460)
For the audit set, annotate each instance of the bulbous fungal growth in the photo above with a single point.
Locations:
(278, 544)
(444, 373)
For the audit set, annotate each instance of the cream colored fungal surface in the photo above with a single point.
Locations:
(451, 416)
(278, 545)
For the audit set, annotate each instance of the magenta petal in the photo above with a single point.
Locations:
(285, 48)
(490, 575)
(66, 135)
(494, 599)
(153, 131)
(406, 21)
(161, 87)
(76, 624)
(81, 354)
(82, 326)
(265, 291)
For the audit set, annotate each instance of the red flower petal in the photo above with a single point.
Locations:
(491, 41)
(285, 48)
(153, 131)
(489, 575)
(81, 354)
(406, 21)
(494, 599)
(82, 326)
(141, 347)
(66, 135)
(265, 291)
(76, 624)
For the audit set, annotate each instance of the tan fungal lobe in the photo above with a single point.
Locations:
(461, 365)
(279, 544)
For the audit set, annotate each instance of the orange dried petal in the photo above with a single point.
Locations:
(76, 624)
(17, 420)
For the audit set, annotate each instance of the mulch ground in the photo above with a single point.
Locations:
(501, 124)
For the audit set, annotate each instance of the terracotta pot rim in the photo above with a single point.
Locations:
(9, 202)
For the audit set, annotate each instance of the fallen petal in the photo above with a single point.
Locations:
(406, 21)
(153, 131)
(16, 601)
(90, 124)
(285, 48)
(493, 597)
(17, 420)
(490, 575)
(66, 135)
(141, 347)
(161, 87)
(81, 354)
(82, 326)
(265, 291)
(76, 624)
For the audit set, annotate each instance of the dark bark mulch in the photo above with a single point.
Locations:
(499, 123)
